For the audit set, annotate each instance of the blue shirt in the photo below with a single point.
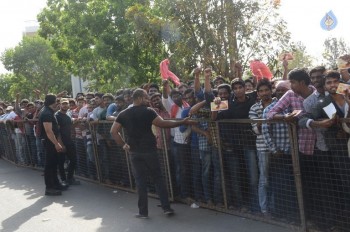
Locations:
(112, 108)
(194, 137)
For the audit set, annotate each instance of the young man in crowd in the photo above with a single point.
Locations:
(65, 122)
(153, 88)
(320, 171)
(180, 147)
(207, 143)
(292, 101)
(264, 91)
(115, 108)
(244, 140)
(241, 143)
(195, 167)
(336, 140)
(283, 201)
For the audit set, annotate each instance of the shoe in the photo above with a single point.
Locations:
(62, 186)
(73, 182)
(169, 211)
(141, 216)
(64, 182)
(195, 205)
(52, 192)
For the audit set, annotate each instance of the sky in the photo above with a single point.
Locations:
(302, 16)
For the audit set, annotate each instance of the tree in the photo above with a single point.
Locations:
(96, 42)
(35, 66)
(217, 33)
(118, 43)
(7, 81)
(333, 49)
(301, 58)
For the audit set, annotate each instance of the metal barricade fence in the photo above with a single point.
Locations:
(225, 169)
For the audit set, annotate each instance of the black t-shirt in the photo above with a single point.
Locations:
(47, 115)
(137, 121)
(65, 127)
(243, 134)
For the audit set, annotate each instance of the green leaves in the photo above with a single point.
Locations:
(333, 49)
(119, 42)
(35, 66)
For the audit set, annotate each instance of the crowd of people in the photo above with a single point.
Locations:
(203, 153)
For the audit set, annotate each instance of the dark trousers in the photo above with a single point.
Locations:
(50, 171)
(317, 178)
(283, 201)
(144, 165)
(70, 154)
(181, 160)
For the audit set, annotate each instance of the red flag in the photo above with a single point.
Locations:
(166, 73)
(260, 70)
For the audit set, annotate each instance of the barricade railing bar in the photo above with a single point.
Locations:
(227, 170)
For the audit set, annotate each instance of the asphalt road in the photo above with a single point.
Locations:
(91, 207)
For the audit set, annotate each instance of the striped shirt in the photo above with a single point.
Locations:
(256, 112)
(275, 135)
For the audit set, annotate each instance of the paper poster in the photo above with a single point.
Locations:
(343, 62)
(296, 112)
(330, 110)
(222, 106)
(342, 87)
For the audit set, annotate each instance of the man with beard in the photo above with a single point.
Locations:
(320, 170)
(157, 105)
(264, 91)
(64, 121)
(336, 140)
(141, 146)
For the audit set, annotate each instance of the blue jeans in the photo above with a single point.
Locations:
(145, 164)
(40, 151)
(233, 190)
(32, 148)
(20, 149)
(251, 162)
(283, 202)
(180, 155)
(104, 159)
(90, 159)
(264, 164)
(208, 158)
(80, 154)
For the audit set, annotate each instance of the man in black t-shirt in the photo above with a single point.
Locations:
(64, 121)
(141, 145)
(49, 134)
